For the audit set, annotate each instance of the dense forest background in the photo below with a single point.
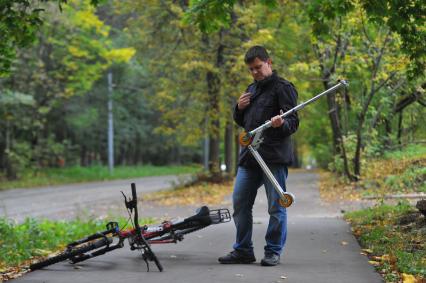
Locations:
(177, 69)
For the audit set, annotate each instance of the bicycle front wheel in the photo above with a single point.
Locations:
(75, 251)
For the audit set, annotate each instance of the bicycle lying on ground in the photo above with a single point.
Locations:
(139, 238)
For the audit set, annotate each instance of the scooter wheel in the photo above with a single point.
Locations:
(245, 139)
(287, 200)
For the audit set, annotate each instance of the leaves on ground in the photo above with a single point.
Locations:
(205, 193)
(393, 244)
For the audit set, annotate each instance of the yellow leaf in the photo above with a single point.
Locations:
(120, 55)
(408, 278)
(373, 262)
(42, 252)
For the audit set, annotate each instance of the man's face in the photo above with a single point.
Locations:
(260, 69)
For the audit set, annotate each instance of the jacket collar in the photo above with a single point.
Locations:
(261, 84)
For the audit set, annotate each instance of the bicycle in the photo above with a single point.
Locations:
(140, 238)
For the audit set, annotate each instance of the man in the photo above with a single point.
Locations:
(267, 97)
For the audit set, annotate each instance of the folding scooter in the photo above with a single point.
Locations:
(254, 138)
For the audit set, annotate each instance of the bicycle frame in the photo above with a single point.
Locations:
(140, 238)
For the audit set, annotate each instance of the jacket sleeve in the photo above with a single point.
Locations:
(238, 116)
(287, 99)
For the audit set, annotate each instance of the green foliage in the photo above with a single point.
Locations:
(35, 238)
(414, 177)
(410, 151)
(178, 69)
(380, 212)
(19, 159)
(321, 12)
(209, 15)
(19, 22)
(407, 18)
(76, 174)
(379, 229)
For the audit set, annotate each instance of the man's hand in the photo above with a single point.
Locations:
(244, 101)
(277, 121)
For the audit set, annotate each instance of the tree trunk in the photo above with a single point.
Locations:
(213, 90)
(228, 146)
(334, 118)
(213, 85)
(296, 161)
(83, 156)
(400, 127)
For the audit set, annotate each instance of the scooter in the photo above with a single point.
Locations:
(254, 139)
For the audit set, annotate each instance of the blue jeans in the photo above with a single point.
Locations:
(247, 183)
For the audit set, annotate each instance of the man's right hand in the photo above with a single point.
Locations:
(244, 101)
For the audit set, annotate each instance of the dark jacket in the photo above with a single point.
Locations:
(268, 97)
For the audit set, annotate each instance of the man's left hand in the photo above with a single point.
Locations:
(277, 121)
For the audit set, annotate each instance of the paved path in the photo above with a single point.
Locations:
(314, 251)
(69, 201)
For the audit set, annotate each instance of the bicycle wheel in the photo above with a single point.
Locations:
(75, 251)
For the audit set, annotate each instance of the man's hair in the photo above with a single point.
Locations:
(254, 52)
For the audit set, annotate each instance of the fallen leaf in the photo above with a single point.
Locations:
(368, 251)
(344, 243)
(239, 275)
(42, 252)
(390, 258)
(375, 263)
(283, 277)
(408, 278)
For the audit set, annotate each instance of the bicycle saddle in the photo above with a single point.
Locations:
(203, 215)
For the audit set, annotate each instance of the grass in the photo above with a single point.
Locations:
(411, 151)
(19, 243)
(56, 176)
(397, 172)
(396, 248)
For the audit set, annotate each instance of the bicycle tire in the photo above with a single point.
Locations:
(72, 253)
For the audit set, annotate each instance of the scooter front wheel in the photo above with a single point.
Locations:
(286, 200)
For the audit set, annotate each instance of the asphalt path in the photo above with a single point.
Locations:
(76, 200)
(320, 248)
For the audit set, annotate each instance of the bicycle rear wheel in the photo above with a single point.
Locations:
(75, 251)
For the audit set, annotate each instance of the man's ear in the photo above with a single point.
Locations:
(269, 61)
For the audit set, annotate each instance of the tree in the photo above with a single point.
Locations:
(19, 22)
(71, 54)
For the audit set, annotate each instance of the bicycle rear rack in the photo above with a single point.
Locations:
(221, 215)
